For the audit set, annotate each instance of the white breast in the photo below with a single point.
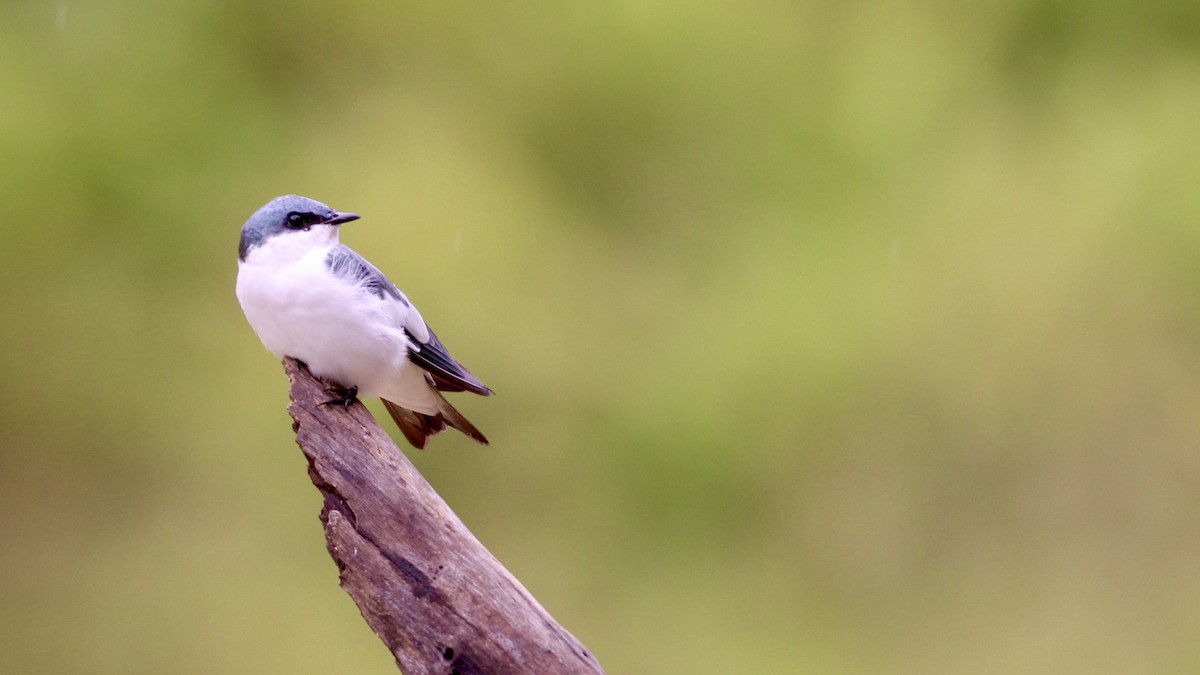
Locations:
(344, 333)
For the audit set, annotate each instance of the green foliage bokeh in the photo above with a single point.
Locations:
(827, 337)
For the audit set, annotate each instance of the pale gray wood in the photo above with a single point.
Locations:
(435, 596)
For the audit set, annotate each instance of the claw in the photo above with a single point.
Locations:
(342, 397)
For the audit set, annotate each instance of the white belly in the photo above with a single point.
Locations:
(344, 334)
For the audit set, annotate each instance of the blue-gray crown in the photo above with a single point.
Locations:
(286, 214)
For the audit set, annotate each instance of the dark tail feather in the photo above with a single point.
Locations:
(418, 427)
(456, 420)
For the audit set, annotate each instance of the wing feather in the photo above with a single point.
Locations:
(343, 262)
(426, 350)
(447, 374)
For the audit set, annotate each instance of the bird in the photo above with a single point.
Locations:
(312, 298)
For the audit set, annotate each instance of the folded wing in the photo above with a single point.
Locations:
(425, 349)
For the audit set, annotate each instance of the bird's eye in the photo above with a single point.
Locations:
(296, 221)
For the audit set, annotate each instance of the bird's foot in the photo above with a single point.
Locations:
(342, 397)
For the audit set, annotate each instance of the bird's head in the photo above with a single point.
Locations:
(292, 216)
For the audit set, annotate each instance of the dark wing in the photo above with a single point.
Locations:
(447, 374)
(430, 354)
(343, 262)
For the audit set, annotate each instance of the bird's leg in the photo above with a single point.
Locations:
(341, 396)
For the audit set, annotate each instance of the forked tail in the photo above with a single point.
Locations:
(418, 427)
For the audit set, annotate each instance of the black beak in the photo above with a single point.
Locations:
(339, 218)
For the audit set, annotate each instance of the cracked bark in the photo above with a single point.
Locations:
(435, 596)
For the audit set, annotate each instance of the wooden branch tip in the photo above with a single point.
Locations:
(439, 600)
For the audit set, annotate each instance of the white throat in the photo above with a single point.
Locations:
(288, 247)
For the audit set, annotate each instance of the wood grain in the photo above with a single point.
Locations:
(436, 597)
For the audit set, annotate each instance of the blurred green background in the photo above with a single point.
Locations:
(828, 337)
